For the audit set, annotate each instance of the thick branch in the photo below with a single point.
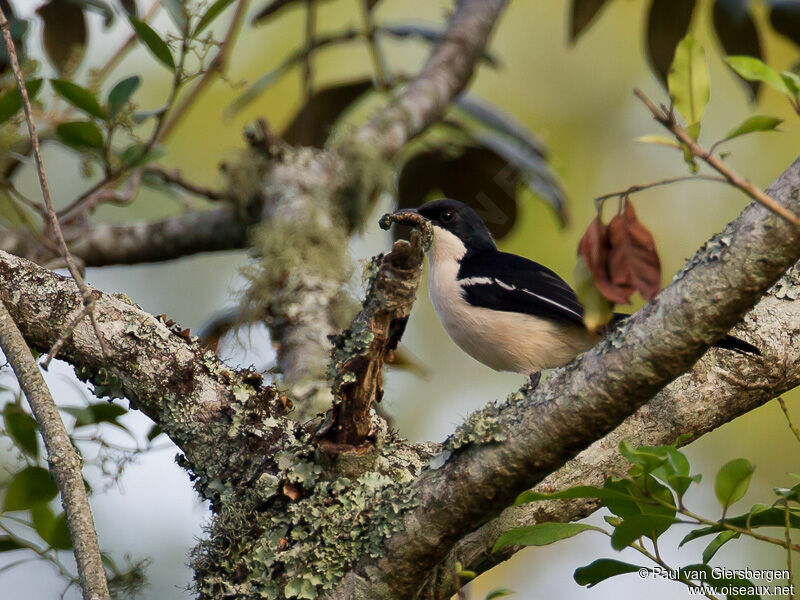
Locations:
(591, 396)
(718, 389)
(65, 463)
(182, 235)
(162, 370)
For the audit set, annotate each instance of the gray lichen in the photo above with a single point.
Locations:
(714, 249)
(481, 427)
(295, 532)
(788, 286)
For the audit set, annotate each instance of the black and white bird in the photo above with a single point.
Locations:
(508, 312)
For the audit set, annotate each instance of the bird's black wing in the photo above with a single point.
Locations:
(511, 283)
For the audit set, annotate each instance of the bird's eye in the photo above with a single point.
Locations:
(448, 216)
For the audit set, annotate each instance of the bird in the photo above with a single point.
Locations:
(504, 310)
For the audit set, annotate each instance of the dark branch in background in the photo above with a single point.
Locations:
(361, 350)
(443, 78)
(214, 230)
(585, 400)
(719, 388)
(63, 459)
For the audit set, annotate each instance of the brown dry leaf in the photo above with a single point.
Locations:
(633, 262)
(594, 249)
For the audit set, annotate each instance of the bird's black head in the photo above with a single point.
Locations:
(460, 220)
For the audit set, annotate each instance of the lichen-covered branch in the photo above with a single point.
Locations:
(361, 350)
(719, 388)
(223, 228)
(161, 369)
(63, 459)
(536, 433)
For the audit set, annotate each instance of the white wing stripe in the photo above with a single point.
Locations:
(489, 281)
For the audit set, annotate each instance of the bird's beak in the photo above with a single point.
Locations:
(404, 216)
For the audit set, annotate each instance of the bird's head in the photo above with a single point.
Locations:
(457, 229)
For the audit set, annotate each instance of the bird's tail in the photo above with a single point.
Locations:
(733, 343)
(728, 342)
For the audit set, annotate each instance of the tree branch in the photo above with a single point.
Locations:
(720, 387)
(65, 463)
(214, 230)
(539, 431)
(161, 369)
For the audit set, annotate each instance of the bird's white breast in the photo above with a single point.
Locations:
(504, 341)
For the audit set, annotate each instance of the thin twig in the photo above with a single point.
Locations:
(88, 300)
(792, 426)
(217, 65)
(667, 119)
(646, 186)
(56, 348)
(65, 463)
(175, 177)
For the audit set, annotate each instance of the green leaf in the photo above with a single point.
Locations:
(212, 13)
(11, 101)
(177, 12)
(121, 93)
(8, 544)
(597, 308)
(602, 569)
(645, 525)
(541, 534)
(498, 593)
(60, 538)
(29, 487)
(43, 519)
(792, 81)
(753, 69)
(21, 428)
(688, 80)
(78, 96)
(693, 130)
(732, 481)
(99, 412)
(81, 134)
(135, 155)
(154, 43)
(154, 432)
(717, 543)
(660, 140)
(637, 502)
(755, 123)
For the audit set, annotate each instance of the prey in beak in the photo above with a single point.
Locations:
(411, 218)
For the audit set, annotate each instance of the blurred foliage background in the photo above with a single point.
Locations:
(577, 97)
